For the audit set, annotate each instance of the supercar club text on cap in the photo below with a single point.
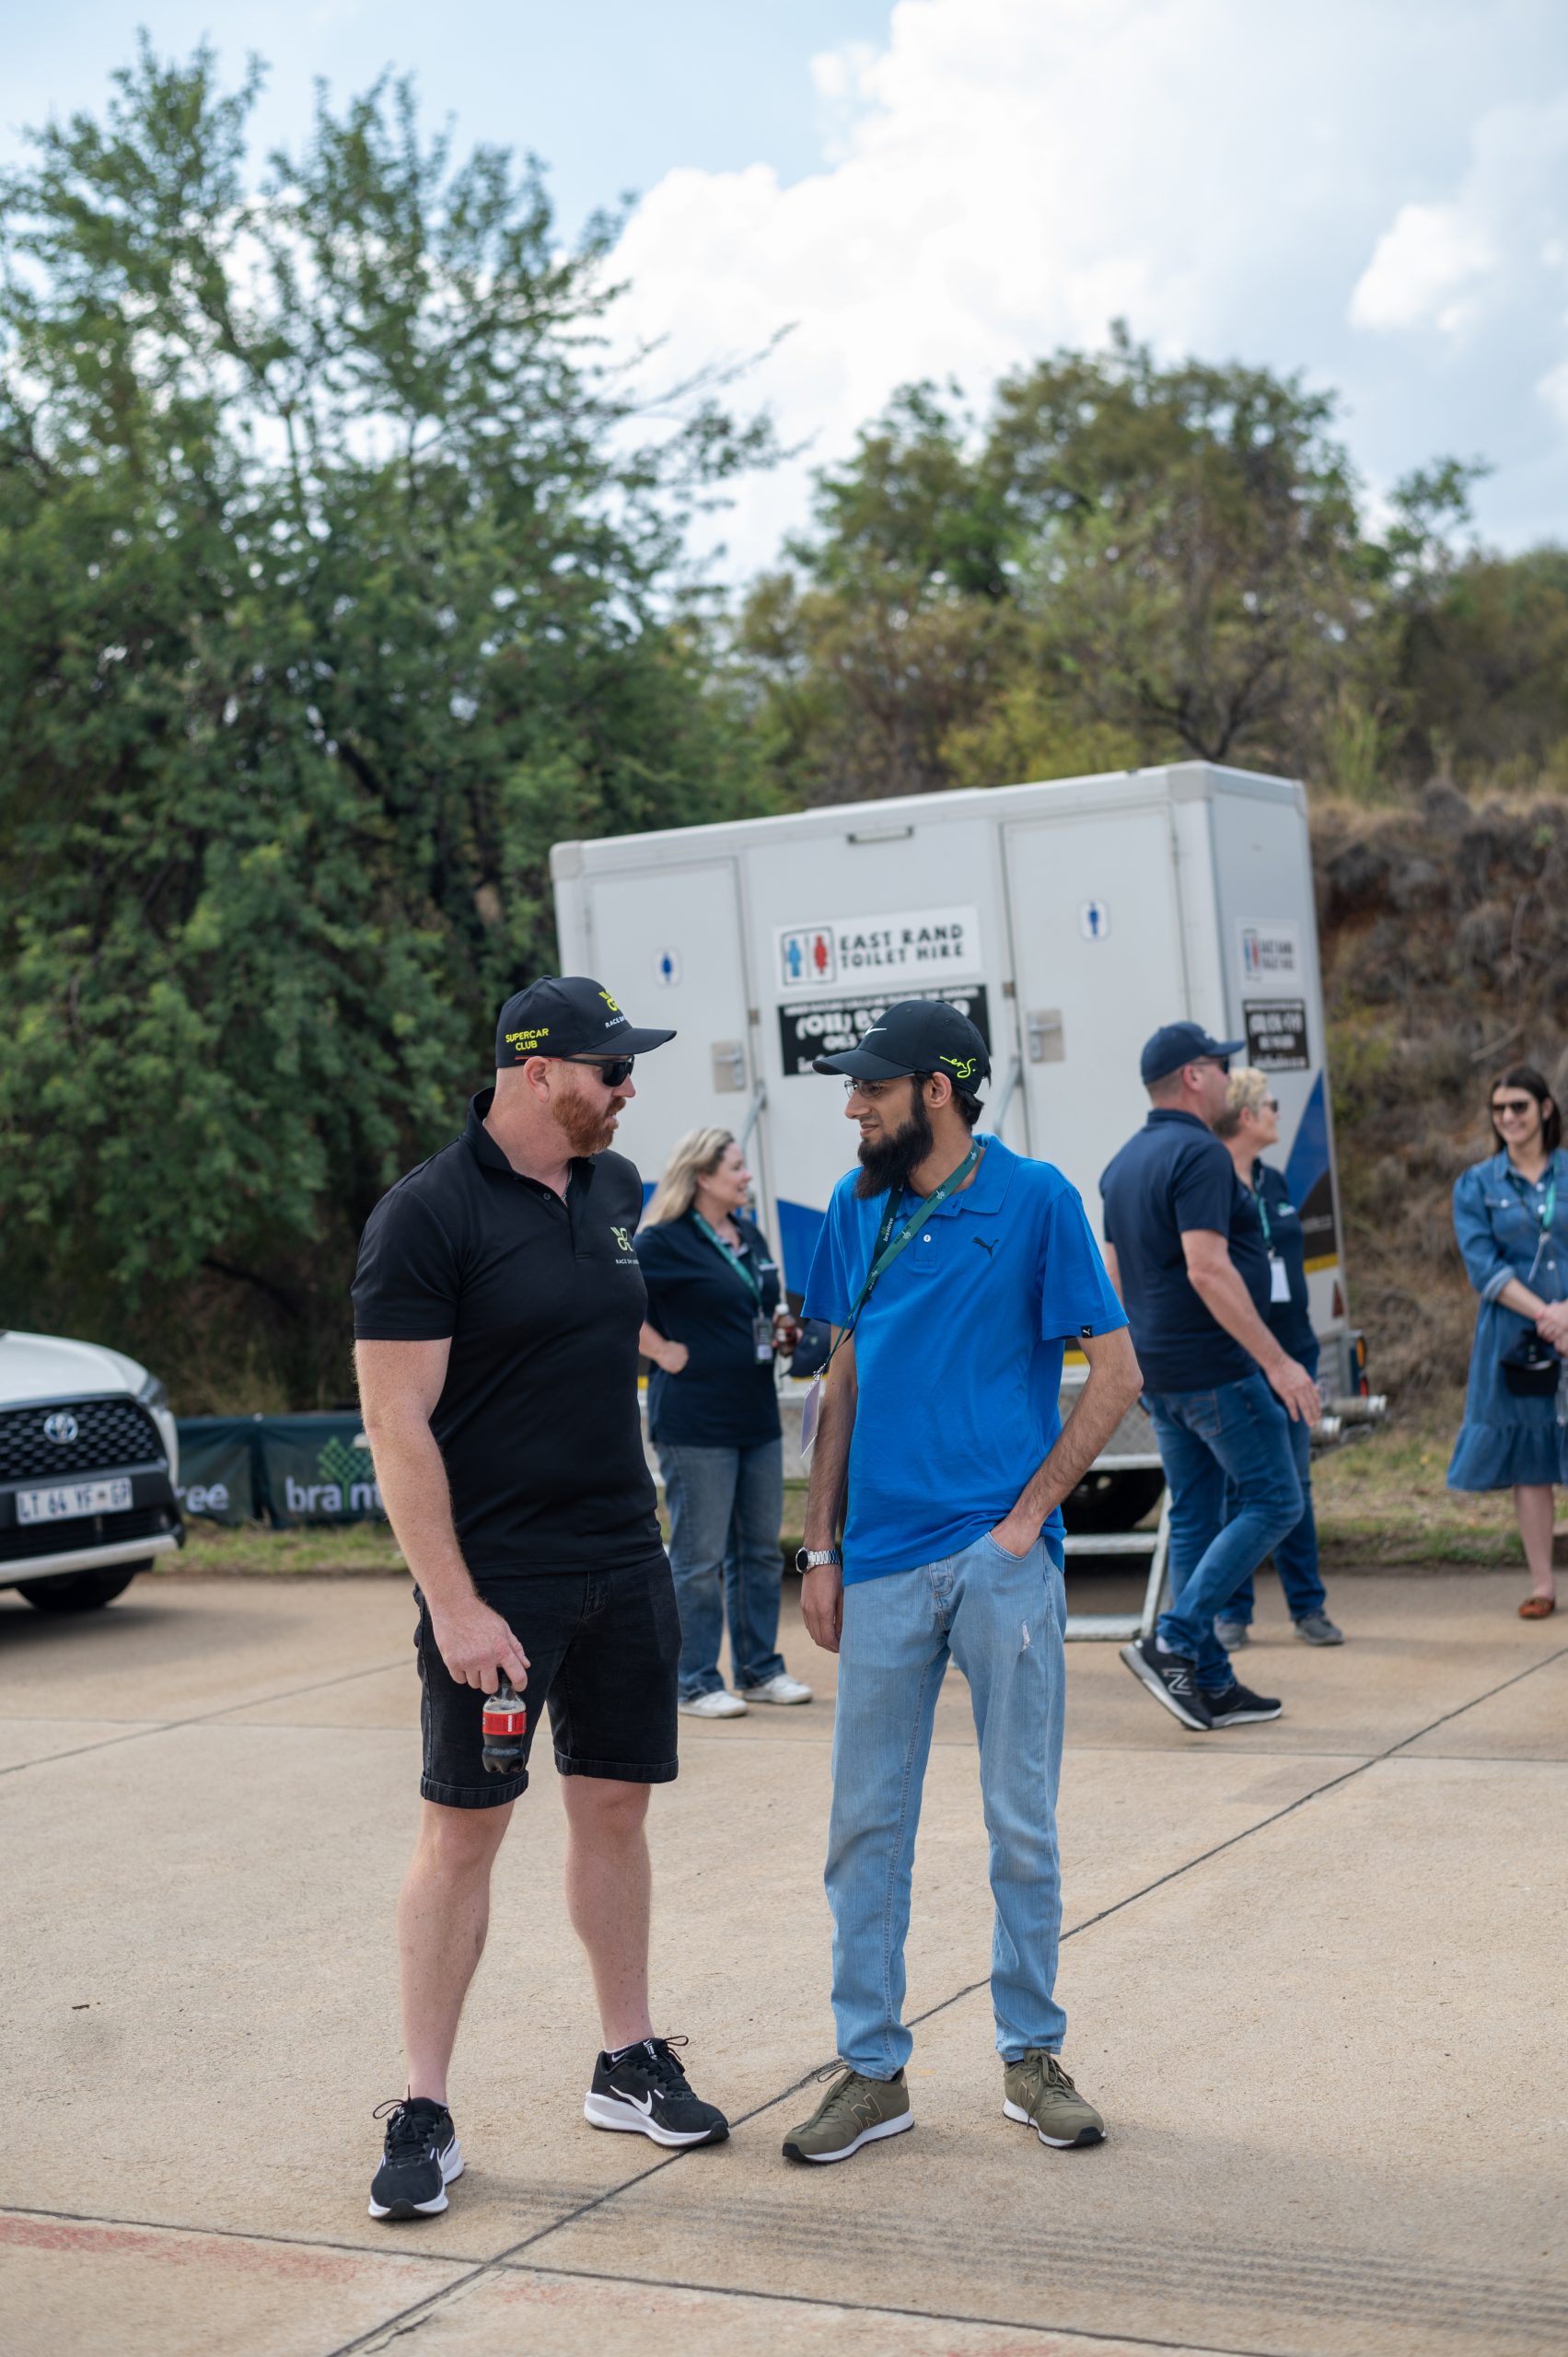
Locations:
(568, 1015)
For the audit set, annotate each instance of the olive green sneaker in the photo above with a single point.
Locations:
(853, 2111)
(1037, 2090)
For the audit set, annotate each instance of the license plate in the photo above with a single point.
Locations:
(73, 1500)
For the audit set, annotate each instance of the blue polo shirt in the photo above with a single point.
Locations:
(959, 1355)
(1171, 1177)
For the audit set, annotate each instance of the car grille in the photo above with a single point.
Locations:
(22, 1544)
(109, 1432)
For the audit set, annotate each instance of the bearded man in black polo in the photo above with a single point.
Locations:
(497, 1307)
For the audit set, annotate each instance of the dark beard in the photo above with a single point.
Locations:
(888, 1168)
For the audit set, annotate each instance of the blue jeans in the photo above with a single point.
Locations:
(726, 1509)
(1236, 1433)
(1296, 1555)
(1001, 1619)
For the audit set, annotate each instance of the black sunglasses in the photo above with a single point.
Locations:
(611, 1070)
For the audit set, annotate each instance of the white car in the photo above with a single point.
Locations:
(88, 1461)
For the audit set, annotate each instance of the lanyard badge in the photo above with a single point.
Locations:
(889, 1248)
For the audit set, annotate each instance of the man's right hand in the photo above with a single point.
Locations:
(476, 1645)
(822, 1606)
(1298, 1394)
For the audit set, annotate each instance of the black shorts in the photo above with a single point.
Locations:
(603, 1649)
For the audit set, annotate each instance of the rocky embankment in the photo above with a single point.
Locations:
(1445, 936)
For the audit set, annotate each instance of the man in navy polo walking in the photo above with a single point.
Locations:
(1186, 1249)
(951, 1272)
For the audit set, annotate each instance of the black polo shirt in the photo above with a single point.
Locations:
(543, 1301)
(1173, 1176)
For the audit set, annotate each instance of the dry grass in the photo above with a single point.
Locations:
(1380, 1498)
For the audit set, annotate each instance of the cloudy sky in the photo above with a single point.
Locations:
(1372, 192)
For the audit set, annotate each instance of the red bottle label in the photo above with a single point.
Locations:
(506, 1718)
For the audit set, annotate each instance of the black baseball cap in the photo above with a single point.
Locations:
(568, 1015)
(918, 1035)
(1175, 1044)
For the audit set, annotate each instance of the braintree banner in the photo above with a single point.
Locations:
(282, 1469)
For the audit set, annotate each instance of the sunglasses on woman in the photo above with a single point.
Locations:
(1512, 1109)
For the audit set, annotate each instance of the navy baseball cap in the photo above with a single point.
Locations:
(918, 1035)
(568, 1015)
(1175, 1044)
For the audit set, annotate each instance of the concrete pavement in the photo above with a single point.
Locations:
(1313, 1970)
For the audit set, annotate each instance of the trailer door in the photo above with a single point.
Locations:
(1097, 951)
(668, 942)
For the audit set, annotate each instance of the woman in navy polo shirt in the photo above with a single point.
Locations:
(1249, 1126)
(715, 1329)
(1511, 1218)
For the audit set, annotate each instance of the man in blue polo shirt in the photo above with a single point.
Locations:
(951, 1270)
(1185, 1248)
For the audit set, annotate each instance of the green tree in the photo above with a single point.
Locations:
(344, 575)
(1124, 560)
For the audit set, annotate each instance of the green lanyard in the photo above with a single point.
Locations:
(1262, 1211)
(742, 1268)
(890, 1245)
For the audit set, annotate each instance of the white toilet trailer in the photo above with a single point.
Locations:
(1069, 920)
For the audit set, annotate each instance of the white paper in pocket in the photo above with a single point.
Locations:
(810, 1417)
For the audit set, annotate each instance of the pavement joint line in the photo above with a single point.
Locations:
(225, 2234)
(144, 1727)
(512, 2257)
(1091, 2340)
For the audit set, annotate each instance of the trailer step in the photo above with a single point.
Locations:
(1115, 1628)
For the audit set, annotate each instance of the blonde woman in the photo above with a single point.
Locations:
(714, 1331)
(1249, 1126)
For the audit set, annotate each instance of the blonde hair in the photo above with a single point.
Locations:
(696, 1155)
(1245, 1092)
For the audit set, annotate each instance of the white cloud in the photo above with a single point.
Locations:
(1005, 176)
(1417, 268)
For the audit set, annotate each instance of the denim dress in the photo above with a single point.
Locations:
(1499, 1219)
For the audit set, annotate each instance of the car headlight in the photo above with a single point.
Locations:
(154, 1399)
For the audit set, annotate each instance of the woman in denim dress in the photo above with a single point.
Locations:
(1511, 1218)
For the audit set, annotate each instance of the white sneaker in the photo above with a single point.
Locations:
(782, 1689)
(717, 1705)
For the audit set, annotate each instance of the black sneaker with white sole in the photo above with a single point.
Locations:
(420, 2159)
(645, 2089)
(1169, 1679)
(1239, 1707)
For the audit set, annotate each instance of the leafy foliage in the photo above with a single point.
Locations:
(1127, 561)
(344, 576)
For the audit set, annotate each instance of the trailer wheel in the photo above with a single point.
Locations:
(1108, 1500)
(80, 1591)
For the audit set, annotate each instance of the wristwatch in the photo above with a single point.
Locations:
(809, 1559)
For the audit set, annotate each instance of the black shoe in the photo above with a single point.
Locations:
(647, 2092)
(1238, 1706)
(1169, 1679)
(420, 2158)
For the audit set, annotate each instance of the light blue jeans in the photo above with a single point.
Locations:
(1001, 1619)
(726, 1510)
